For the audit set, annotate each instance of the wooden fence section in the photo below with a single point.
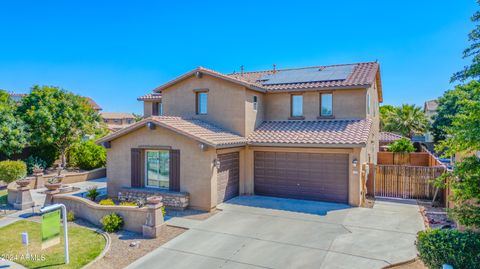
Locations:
(408, 182)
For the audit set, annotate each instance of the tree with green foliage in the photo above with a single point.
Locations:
(471, 71)
(57, 117)
(384, 111)
(449, 105)
(407, 120)
(13, 137)
(401, 145)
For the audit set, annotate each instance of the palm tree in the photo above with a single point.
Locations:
(407, 120)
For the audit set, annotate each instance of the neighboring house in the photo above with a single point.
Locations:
(302, 133)
(17, 97)
(387, 138)
(430, 109)
(117, 120)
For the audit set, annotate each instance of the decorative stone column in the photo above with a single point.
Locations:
(39, 182)
(24, 198)
(154, 220)
(49, 196)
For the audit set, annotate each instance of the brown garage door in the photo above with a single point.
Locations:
(228, 176)
(309, 176)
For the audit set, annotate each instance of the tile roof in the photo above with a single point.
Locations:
(334, 132)
(389, 137)
(116, 115)
(150, 97)
(196, 129)
(93, 104)
(363, 74)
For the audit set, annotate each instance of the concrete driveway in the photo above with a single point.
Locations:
(265, 232)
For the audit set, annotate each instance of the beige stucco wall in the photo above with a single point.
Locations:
(347, 104)
(253, 118)
(226, 107)
(147, 109)
(196, 166)
(373, 142)
(247, 181)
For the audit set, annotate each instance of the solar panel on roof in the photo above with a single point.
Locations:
(313, 74)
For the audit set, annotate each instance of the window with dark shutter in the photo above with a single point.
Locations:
(136, 168)
(174, 170)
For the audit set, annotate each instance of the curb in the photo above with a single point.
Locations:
(108, 243)
(400, 263)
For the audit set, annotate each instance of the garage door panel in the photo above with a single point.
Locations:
(228, 179)
(311, 176)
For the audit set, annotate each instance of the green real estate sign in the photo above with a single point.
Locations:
(50, 229)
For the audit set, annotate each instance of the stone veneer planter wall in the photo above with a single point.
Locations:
(172, 200)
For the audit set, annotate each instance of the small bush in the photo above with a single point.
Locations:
(32, 161)
(49, 154)
(126, 203)
(440, 246)
(70, 216)
(106, 202)
(401, 145)
(12, 170)
(87, 155)
(164, 212)
(112, 223)
(92, 193)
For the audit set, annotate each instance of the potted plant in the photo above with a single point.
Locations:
(37, 168)
(14, 171)
(54, 183)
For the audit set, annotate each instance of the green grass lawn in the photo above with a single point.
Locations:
(84, 246)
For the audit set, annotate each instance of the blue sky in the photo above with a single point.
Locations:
(115, 51)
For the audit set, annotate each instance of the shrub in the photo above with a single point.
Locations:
(112, 223)
(49, 154)
(164, 212)
(106, 202)
(54, 180)
(126, 203)
(440, 246)
(70, 216)
(401, 145)
(32, 161)
(87, 155)
(12, 170)
(92, 193)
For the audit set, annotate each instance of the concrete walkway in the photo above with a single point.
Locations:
(265, 232)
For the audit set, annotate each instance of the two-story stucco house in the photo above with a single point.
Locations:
(301, 133)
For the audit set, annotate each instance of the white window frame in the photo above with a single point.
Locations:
(146, 169)
(255, 103)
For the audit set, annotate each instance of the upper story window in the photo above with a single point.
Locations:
(156, 109)
(255, 103)
(326, 104)
(202, 102)
(296, 104)
(368, 103)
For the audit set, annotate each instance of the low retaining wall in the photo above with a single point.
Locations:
(68, 179)
(135, 219)
(172, 200)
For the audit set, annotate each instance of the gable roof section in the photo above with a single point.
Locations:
(389, 137)
(431, 105)
(322, 132)
(362, 76)
(199, 130)
(150, 97)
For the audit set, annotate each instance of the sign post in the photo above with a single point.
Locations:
(25, 241)
(51, 217)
